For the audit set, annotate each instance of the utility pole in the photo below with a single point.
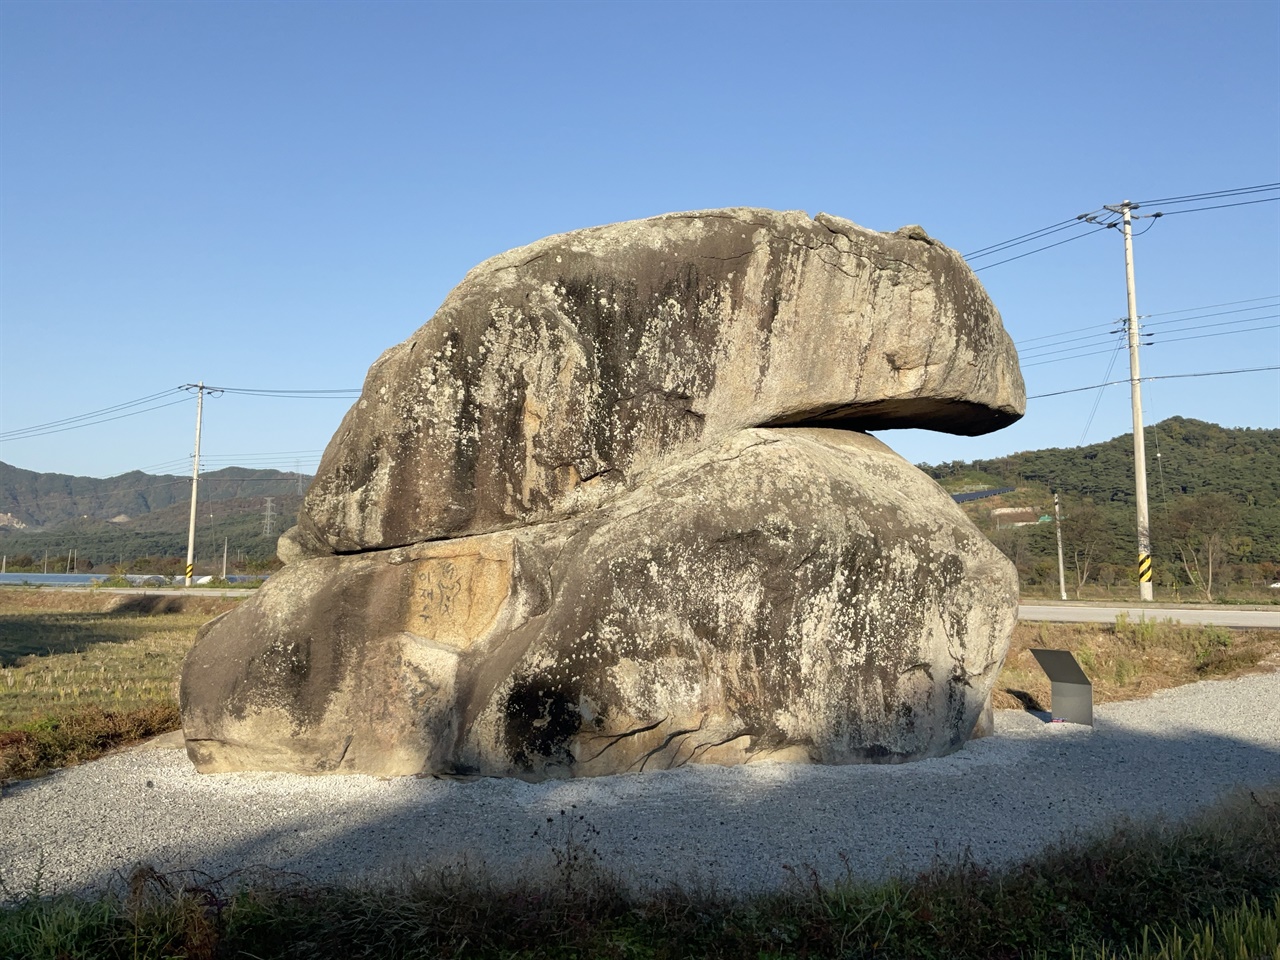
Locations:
(199, 389)
(1135, 388)
(1057, 523)
(195, 481)
(224, 558)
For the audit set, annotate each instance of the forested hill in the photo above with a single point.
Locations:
(1184, 457)
(41, 500)
(1214, 495)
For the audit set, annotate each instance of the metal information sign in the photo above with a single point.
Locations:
(1071, 690)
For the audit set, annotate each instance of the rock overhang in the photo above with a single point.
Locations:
(558, 373)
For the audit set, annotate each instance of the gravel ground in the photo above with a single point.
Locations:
(734, 829)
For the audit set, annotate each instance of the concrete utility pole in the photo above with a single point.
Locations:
(1135, 388)
(1057, 523)
(195, 480)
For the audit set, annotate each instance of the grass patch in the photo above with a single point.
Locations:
(60, 740)
(1132, 893)
(1131, 658)
(1250, 932)
(83, 672)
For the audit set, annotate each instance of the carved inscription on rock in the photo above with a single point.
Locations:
(455, 600)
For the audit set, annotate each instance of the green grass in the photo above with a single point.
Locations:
(1249, 932)
(1146, 892)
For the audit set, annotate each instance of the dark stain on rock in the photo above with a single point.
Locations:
(540, 717)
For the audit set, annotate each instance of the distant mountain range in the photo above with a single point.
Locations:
(141, 515)
(42, 500)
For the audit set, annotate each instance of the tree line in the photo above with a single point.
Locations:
(1214, 497)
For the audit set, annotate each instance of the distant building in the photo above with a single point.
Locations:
(1015, 516)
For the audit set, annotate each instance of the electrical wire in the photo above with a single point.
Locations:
(1159, 334)
(1050, 246)
(31, 432)
(1167, 376)
(1025, 238)
(1213, 306)
(1164, 313)
(1208, 316)
(1101, 390)
(291, 394)
(1220, 206)
(1157, 340)
(1048, 348)
(1051, 336)
(1220, 333)
(1110, 219)
(1235, 191)
(38, 428)
(1079, 356)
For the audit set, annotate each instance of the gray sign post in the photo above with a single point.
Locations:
(1071, 690)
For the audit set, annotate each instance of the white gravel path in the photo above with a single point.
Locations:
(734, 828)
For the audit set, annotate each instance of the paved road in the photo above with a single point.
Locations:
(1103, 613)
(1070, 612)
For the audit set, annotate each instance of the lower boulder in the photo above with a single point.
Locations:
(794, 594)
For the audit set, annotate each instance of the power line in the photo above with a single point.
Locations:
(1101, 390)
(1151, 337)
(1049, 348)
(1038, 249)
(1108, 220)
(1167, 376)
(1235, 191)
(1212, 306)
(292, 394)
(1220, 206)
(1220, 333)
(1204, 326)
(1217, 313)
(1051, 336)
(1078, 356)
(1025, 238)
(94, 423)
(1163, 313)
(1162, 340)
(93, 417)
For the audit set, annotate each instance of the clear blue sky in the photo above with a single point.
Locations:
(268, 195)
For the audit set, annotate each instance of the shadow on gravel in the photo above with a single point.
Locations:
(726, 829)
(1030, 703)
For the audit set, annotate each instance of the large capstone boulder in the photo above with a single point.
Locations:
(559, 373)
(615, 509)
